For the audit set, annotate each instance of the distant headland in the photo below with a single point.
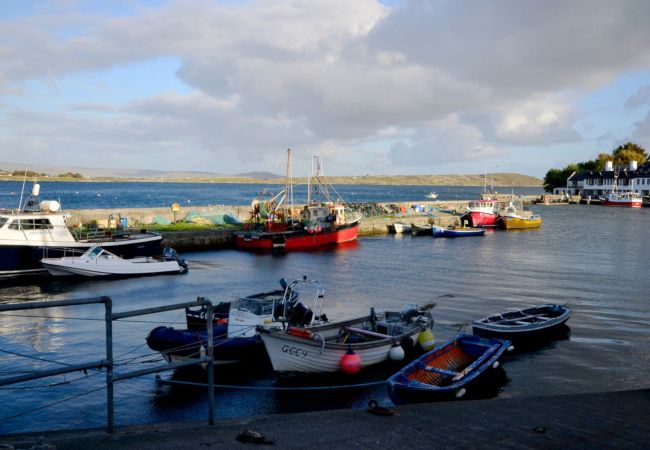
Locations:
(43, 173)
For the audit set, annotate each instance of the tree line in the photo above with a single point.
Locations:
(623, 154)
(31, 174)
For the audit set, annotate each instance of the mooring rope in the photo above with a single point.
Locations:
(273, 388)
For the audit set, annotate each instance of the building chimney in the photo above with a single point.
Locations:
(633, 165)
(609, 166)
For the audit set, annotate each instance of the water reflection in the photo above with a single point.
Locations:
(575, 258)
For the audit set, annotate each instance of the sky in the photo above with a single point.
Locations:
(372, 87)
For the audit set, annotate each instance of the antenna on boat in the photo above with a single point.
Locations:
(20, 202)
(288, 186)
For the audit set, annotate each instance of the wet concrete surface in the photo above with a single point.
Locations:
(598, 420)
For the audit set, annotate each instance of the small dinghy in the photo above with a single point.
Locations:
(524, 325)
(447, 372)
(421, 230)
(99, 262)
(451, 231)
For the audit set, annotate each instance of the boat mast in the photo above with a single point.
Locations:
(484, 180)
(288, 186)
(319, 184)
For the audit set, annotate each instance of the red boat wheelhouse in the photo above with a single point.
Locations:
(483, 213)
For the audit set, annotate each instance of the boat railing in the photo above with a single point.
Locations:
(108, 363)
(63, 251)
(293, 287)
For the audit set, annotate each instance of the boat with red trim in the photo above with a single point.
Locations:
(347, 346)
(277, 224)
(630, 199)
(617, 198)
(484, 212)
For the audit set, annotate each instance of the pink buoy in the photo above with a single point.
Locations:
(351, 362)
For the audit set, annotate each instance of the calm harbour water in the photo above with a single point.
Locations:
(590, 257)
(90, 195)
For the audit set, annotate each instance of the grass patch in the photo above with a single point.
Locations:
(184, 226)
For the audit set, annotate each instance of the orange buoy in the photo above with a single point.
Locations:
(351, 362)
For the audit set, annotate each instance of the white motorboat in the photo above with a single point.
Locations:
(432, 195)
(99, 262)
(38, 229)
(401, 228)
(234, 324)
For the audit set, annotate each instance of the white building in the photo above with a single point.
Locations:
(627, 178)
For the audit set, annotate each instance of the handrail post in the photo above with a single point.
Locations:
(210, 354)
(110, 412)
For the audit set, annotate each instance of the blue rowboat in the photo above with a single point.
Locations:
(439, 231)
(448, 372)
(525, 326)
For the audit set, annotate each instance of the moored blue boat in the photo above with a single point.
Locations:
(447, 372)
(525, 326)
(439, 231)
(176, 344)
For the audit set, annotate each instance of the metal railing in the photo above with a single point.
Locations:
(107, 362)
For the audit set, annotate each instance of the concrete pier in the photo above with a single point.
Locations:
(593, 420)
(415, 212)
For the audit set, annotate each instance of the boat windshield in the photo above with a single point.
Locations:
(94, 252)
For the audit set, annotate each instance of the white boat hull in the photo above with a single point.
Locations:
(319, 349)
(70, 266)
(288, 354)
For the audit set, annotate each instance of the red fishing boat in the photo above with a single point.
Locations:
(483, 213)
(629, 199)
(278, 224)
(615, 197)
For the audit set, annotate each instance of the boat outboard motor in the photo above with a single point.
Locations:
(410, 310)
(300, 315)
(171, 254)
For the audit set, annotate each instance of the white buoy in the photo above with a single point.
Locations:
(396, 353)
(49, 206)
(460, 392)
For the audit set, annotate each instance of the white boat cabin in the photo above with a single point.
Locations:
(325, 215)
(35, 227)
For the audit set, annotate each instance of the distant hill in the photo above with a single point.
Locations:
(93, 174)
(258, 175)
(146, 174)
(496, 179)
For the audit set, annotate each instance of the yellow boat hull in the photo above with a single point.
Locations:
(516, 223)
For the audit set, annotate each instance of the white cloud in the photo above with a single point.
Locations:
(537, 121)
(435, 81)
(446, 141)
